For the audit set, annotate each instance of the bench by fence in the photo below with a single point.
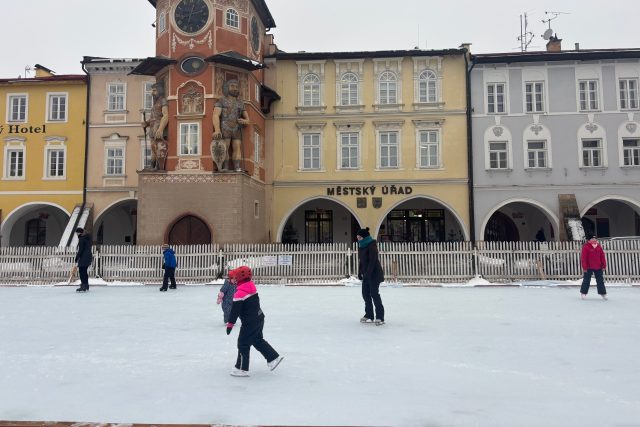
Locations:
(410, 263)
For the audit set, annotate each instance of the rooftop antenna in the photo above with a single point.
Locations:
(550, 16)
(526, 36)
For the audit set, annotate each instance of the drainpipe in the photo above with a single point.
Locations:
(472, 218)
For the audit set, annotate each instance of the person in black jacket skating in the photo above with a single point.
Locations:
(246, 306)
(371, 273)
(83, 258)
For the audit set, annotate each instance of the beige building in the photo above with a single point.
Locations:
(117, 148)
(368, 139)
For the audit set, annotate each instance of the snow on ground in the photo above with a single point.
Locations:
(467, 356)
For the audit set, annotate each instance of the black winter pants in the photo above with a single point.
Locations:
(371, 297)
(84, 277)
(586, 281)
(251, 335)
(169, 274)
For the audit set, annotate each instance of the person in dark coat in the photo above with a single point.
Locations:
(225, 296)
(246, 306)
(593, 263)
(371, 273)
(169, 264)
(83, 258)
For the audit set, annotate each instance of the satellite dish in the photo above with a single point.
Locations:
(547, 34)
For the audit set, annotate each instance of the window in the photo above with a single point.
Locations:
(631, 152)
(349, 89)
(628, 94)
(427, 87)
(17, 108)
(147, 98)
(232, 19)
(115, 94)
(162, 23)
(114, 161)
(534, 97)
(588, 95)
(318, 226)
(311, 151)
(388, 88)
(145, 157)
(389, 150)
(311, 90)
(257, 92)
(349, 150)
(498, 155)
(14, 163)
(55, 163)
(592, 153)
(35, 232)
(256, 147)
(57, 107)
(189, 139)
(537, 154)
(428, 149)
(495, 98)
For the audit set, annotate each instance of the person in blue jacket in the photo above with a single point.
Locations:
(169, 266)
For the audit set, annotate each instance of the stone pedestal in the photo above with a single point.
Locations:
(232, 205)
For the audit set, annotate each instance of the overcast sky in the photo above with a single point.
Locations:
(57, 34)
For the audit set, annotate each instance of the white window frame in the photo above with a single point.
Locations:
(492, 91)
(428, 145)
(428, 79)
(185, 147)
(381, 134)
(256, 147)
(544, 150)
(591, 101)
(531, 105)
(349, 88)
(634, 151)
(108, 159)
(388, 88)
(49, 112)
(14, 145)
(17, 96)
(351, 136)
(147, 97)
(506, 152)
(627, 95)
(311, 85)
(591, 151)
(116, 95)
(232, 18)
(257, 87)
(313, 147)
(54, 144)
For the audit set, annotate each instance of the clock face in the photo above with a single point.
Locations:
(255, 34)
(191, 15)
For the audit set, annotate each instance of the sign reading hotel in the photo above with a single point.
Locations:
(21, 130)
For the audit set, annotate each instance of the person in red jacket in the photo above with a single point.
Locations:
(593, 263)
(246, 306)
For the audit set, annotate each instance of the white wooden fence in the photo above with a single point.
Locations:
(409, 263)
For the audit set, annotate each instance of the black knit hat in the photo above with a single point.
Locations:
(79, 230)
(363, 232)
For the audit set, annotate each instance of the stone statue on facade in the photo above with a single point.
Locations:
(229, 116)
(156, 128)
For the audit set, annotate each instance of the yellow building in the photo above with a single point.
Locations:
(43, 134)
(369, 139)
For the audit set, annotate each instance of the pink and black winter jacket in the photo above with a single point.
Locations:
(593, 258)
(246, 306)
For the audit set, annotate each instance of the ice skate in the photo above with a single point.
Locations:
(365, 320)
(239, 373)
(172, 287)
(583, 296)
(379, 322)
(275, 362)
(163, 289)
(604, 297)
(81, 289)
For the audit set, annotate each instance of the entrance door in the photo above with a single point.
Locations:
(189, 231)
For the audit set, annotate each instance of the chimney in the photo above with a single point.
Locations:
(554, 44)
(577, 46)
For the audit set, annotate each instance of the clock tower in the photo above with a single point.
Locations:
(200, 45)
